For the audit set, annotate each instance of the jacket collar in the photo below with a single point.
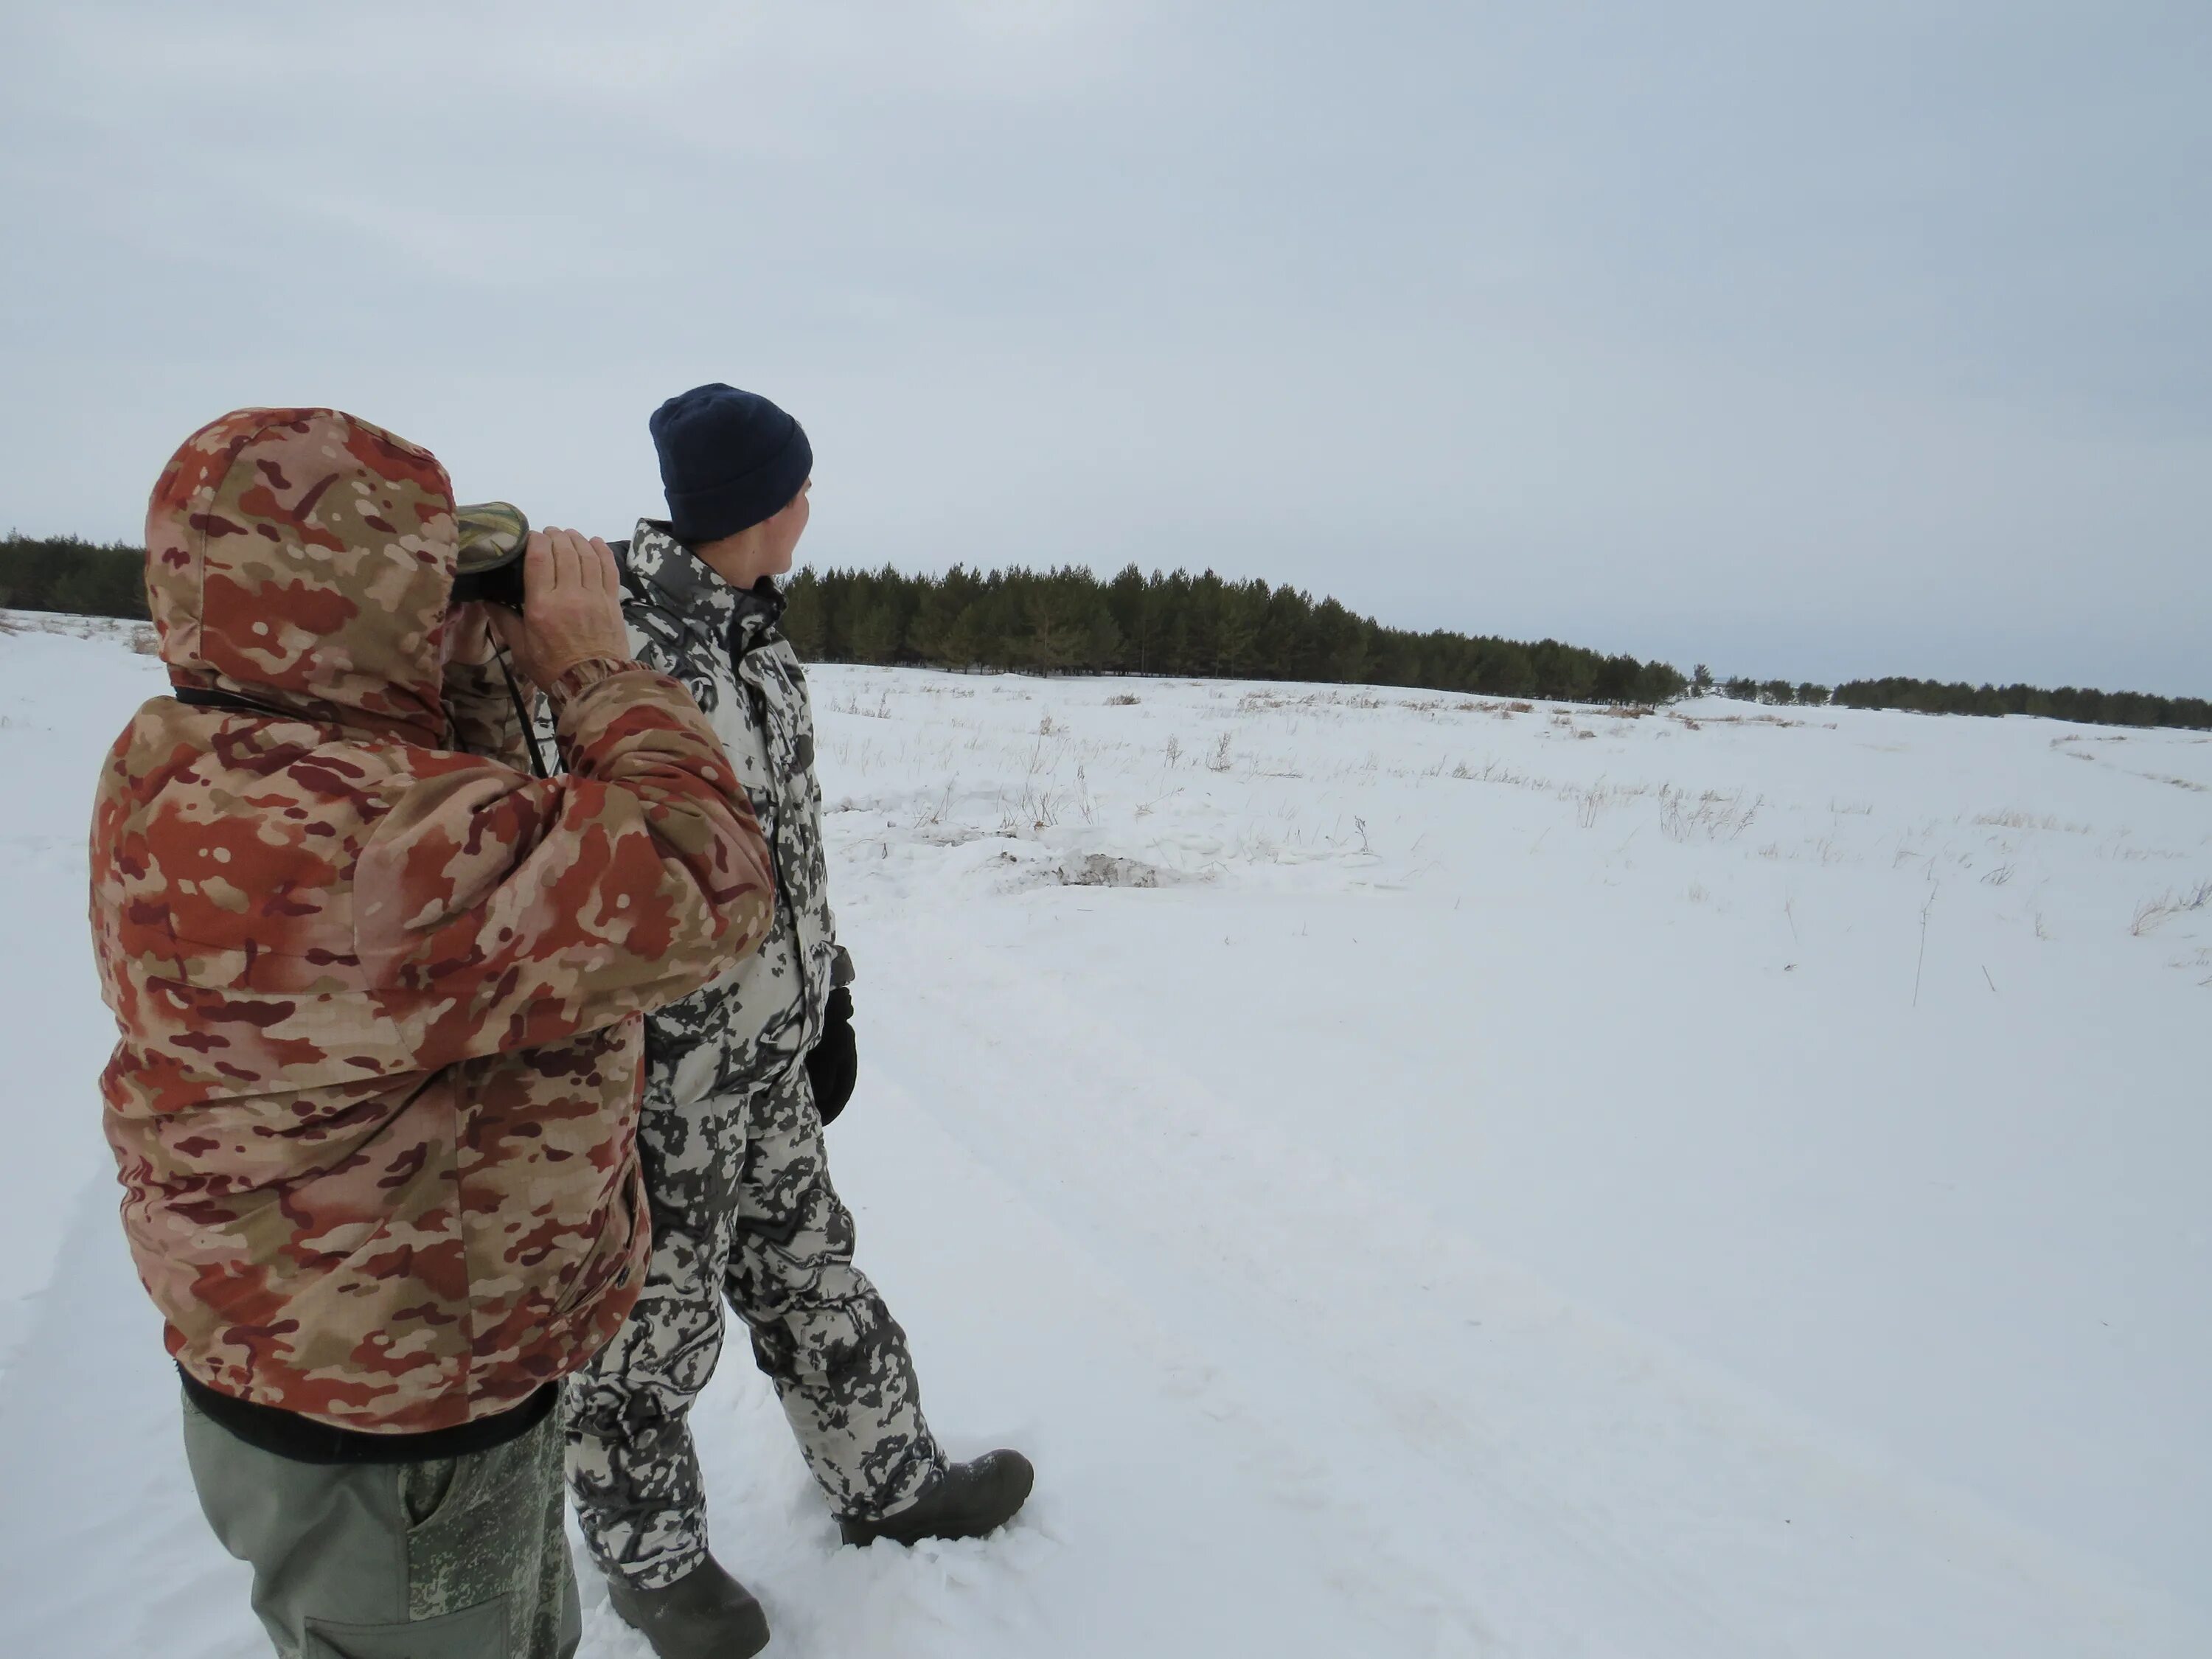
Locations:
(681, 581)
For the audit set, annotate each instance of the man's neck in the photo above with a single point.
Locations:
(736, 559)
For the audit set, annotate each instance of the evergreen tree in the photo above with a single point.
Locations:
(803, 622)
(876, 635)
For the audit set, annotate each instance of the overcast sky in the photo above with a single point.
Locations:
(1811, 339)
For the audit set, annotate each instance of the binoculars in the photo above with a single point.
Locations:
(495, 535)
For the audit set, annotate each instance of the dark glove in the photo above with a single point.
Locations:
(833, 1065)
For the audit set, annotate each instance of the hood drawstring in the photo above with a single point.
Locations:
(521, 713)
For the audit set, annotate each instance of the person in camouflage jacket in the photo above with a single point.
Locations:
(374, 1098)
(741, 1076)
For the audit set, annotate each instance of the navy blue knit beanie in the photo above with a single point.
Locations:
(728, 460)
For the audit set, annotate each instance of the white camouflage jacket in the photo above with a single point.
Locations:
(761, 1018)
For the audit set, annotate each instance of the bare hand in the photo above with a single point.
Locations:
(468, 634)
(571, 607)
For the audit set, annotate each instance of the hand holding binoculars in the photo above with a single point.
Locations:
(495, 538)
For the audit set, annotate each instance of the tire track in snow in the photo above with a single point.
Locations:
(1552, 1477)
(1276, 1250)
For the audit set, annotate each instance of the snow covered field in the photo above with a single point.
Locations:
(1423, 1176)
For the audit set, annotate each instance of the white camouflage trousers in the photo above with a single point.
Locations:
(742, 1210)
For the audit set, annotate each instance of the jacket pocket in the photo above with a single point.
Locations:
(426, 1487)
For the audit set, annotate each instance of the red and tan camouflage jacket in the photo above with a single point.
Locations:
(375, 1103)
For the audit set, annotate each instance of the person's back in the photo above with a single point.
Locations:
(374, 1101)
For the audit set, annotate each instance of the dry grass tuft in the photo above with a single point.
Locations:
(2153, 911)
(2014, 818)
(1712, 817)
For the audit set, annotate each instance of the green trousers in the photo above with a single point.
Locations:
(456, 1557)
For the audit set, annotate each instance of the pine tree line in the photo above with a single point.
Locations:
(1068, 621)
(1956, 697)
(61, 572)
(1745, 689)
(2067, 703)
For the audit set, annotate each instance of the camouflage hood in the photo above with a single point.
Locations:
(304, 559)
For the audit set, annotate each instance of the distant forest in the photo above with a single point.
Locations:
(88, 578)
(1935, 697)
(1068, 621)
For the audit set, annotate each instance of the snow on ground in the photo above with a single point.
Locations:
(1423, 1176)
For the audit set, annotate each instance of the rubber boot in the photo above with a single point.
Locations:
(705, 1614)
(966, 1501)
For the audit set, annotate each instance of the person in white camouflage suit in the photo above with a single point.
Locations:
(741, 1076)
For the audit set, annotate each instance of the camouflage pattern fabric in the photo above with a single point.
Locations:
(373, 1103)
(481, 718)
(743, 1207)
(722, 644)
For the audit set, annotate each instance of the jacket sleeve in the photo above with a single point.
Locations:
(498, 911)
